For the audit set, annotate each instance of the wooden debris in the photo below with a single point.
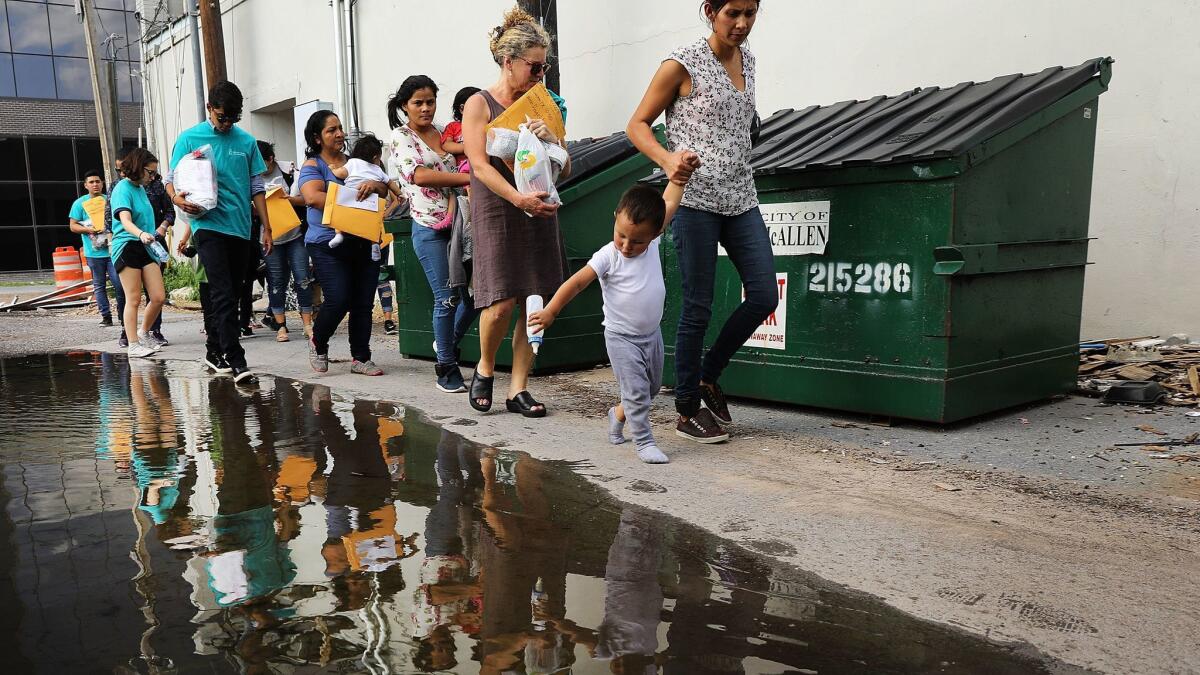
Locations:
(947, 488)
(1150, 430)
(1194, 379)
(1135, 374)
(1176, 368)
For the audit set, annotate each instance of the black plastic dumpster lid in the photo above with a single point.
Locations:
(590, 156)
(919, 125)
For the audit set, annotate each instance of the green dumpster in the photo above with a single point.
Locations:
(602, 169)
(930, 249)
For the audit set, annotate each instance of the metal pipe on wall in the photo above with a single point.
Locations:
(351, 70)
(193, 11)
(339, 55)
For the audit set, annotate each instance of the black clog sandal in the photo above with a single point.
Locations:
(525, 404)
(481, 388)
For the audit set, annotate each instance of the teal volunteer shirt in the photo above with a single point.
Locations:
(132, 198)
(79, 214)
(235, 160)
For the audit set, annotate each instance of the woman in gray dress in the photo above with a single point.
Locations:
(516, 255)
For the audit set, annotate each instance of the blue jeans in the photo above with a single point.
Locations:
(289, 260)
(348, 279)
(103, 271)
(744, 237)
(384, 290)
(453, 310)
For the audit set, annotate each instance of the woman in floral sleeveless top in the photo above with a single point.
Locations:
(706, 89)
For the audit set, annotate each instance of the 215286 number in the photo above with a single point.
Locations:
(860, 278)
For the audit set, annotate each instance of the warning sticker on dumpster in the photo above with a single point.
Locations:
(796, 228)
(772, 334)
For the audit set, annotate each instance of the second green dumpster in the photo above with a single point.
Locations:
(930, 249)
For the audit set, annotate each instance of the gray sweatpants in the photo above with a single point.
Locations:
(637, 361)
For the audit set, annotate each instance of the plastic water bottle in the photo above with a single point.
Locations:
(538, 598)
(534, 304)
(159, 253)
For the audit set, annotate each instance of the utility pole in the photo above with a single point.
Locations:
(106, 112)
(197, 63)
(214, 41)
(546, 12)
(110, 43)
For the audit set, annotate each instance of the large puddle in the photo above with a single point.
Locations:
(159, 521)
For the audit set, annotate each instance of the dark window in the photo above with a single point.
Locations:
(28, 28)
(133, 33)
(12, 158)
(113, 23)
(8, 83)
(73, 78)
(51, 159)
(50, 238)
(66, 32)
(52, 202)
(110, 4)
(4, 45)
(18, 250)
(124, 87)
(14, 205)
(35, 76)
(87, 152)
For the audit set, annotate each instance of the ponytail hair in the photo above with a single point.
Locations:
(517, 33)
(404, 94)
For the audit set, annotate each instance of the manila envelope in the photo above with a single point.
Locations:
(534, 104)
(282, 216)
(94, 208)
(351, 220)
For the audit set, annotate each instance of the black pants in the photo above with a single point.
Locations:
(224, 260)
(348, 279)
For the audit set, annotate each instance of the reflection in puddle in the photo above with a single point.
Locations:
(155, 520)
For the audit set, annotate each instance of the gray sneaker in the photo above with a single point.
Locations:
(147, 340)
(319, 362)
(367, 367)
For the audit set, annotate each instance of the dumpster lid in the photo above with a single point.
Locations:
(919, 125)
(590, 156)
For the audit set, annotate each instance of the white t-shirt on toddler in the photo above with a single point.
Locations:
(633, 289)
(362, 171)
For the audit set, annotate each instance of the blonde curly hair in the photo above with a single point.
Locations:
(517, 33)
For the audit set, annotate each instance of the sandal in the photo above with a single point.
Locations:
(525, 404)
(282, 335)
(481, 389)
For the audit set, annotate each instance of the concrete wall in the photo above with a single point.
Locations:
(1146, 204)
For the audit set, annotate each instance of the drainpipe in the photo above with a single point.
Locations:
(193, 11)
(352, 70)
(339, 56)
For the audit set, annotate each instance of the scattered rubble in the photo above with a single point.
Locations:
(1172, 364)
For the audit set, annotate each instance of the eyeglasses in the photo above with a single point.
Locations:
(536, 69)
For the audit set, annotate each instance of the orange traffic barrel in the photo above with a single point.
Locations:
(68, 271)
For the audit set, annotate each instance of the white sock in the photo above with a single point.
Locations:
(337, 239)
(650, 454)
(616, 430)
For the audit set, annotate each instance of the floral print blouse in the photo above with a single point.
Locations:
(428, 205)
(714, 121)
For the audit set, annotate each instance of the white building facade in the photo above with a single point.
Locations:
(1146, 197)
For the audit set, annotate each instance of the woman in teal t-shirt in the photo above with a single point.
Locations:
(133, 234)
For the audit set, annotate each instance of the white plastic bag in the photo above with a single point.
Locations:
(195, 176)
(532, 168)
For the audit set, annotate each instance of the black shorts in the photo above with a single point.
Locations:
(134, 255)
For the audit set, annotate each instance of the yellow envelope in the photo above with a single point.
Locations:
(94, 208)
(535, 104)
(283, 217)
(347, 219)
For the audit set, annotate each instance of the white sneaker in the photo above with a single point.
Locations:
(139, 351)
